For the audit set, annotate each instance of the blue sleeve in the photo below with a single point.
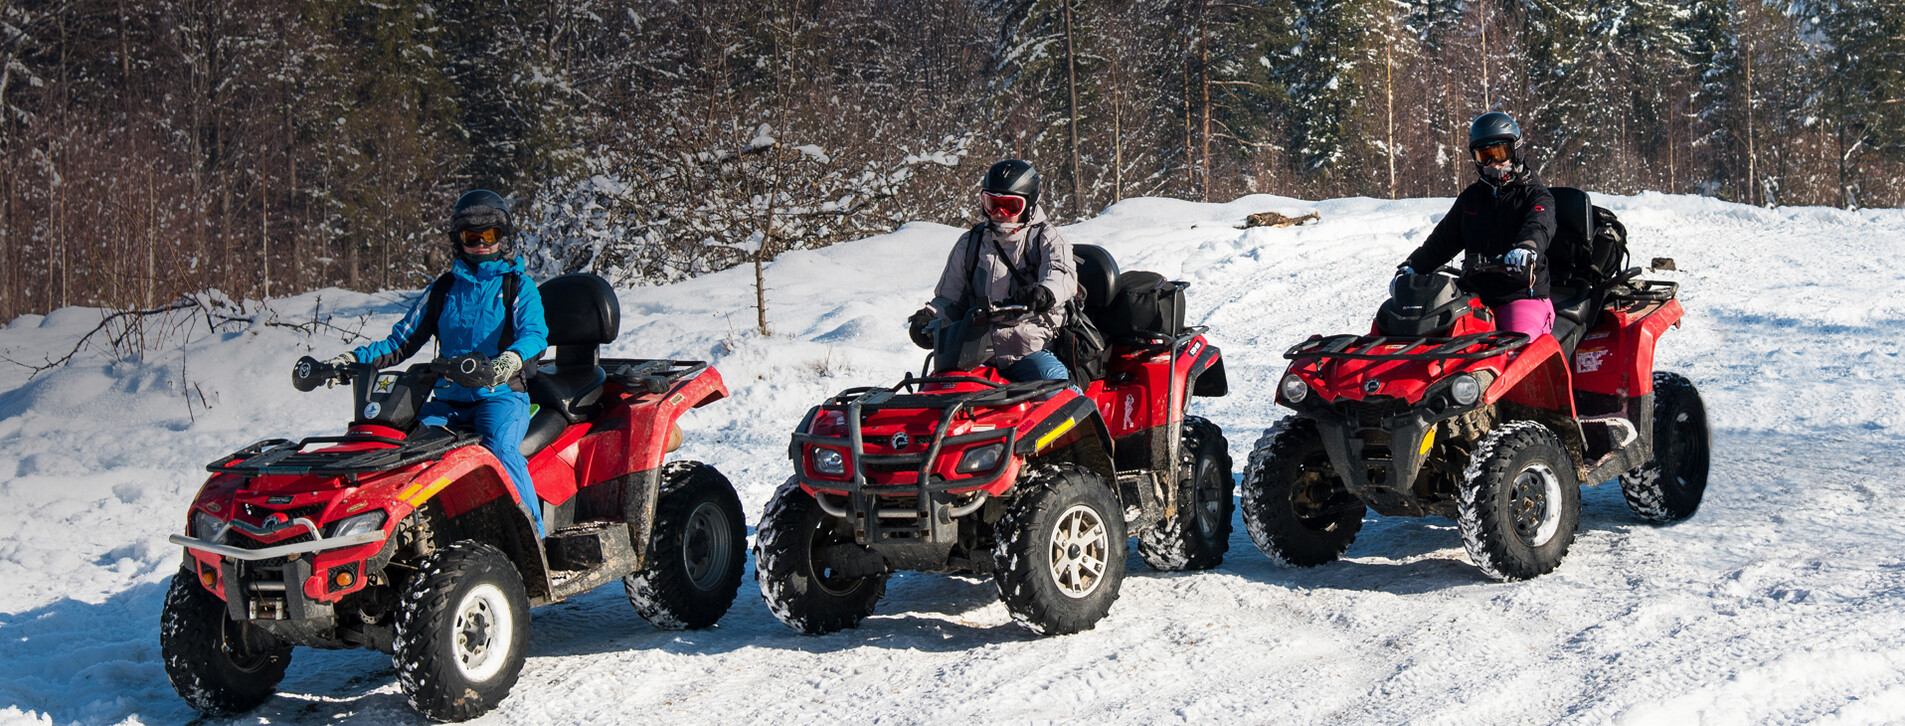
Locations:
(532, 332)
(406, 337)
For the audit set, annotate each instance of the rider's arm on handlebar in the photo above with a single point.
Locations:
(406, 338)
(1442, 245)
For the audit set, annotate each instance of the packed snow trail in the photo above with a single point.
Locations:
(1781, 601)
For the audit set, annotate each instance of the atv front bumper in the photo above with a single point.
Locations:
(298, 581)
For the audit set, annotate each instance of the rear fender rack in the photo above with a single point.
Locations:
(1363, 347)
(285, 457)
(654, 376)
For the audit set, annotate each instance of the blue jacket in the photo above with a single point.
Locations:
(472, 319)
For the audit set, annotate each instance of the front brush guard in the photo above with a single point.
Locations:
(936, 509)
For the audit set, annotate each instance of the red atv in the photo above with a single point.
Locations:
(1033, 482)
(1437, 413)
(409, 540)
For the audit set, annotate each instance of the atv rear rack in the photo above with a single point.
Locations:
(654, 376)
(1364, 347)
(285, 457)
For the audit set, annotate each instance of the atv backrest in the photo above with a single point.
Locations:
(583, 314)
(1097, 275)
(1573, 234)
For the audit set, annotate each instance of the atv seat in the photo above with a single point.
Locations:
(583, 314)
(1576, 309)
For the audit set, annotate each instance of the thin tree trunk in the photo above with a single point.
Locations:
(1389, 105)
(1071, 114)
(1203, 79)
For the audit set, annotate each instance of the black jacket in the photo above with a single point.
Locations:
(1488, 221)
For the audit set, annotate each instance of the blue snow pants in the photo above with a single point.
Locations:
(501, 420)
(1039, 366)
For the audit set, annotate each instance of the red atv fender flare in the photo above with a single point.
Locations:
(1073, 431)
(1536, 376)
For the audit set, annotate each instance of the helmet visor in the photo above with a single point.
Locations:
(1001, 205)
(1493, 152)
(479, 238)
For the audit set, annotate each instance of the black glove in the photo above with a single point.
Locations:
(916, 327)
(1038, 298)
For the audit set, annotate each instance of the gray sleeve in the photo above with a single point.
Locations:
(954, 281)
(1057, 270)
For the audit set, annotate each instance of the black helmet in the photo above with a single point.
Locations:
(480, 210)
(1013, 176)
(1421, 305)
(1493, 126)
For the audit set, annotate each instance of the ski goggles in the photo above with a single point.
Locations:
(1001, 205)
(482, 238)
(1494, 152)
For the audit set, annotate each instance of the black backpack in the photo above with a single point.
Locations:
(1144, 304)
(1590, 243)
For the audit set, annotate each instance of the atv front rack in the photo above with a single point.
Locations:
(855, 403)
(1365, 347)
(285, 457)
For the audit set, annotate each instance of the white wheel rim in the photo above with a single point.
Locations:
(1079, 548)
(482, 634)
(1543, 513)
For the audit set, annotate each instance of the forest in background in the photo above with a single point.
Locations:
(160, 147)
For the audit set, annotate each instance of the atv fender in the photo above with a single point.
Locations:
(470, 486)
(1207, 373)
(1537, 385)
(1617, 358)
(1074, 434)
(653, 432)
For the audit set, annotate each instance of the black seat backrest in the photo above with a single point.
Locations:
(1573, 234)
(1097, 275)
(583, 314)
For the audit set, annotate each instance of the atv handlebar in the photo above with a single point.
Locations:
(470, 369)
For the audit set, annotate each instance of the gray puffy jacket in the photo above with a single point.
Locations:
(1039, 253)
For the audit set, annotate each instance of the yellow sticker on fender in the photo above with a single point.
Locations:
(429, 491)
(1054, 433)
(1428, 440)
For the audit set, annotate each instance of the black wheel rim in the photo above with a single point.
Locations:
(1534, 505)
(1687, 450)
(238, 650)
(1208, 494)
(1317, 499)
(706, 545)
(824, 576)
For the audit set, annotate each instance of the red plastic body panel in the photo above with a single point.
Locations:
(1617, 357)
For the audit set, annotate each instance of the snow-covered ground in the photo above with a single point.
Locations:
(1781, 601)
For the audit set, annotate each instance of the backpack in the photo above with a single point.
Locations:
(1606, 254)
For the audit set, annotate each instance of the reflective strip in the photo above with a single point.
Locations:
(1054, 433)
(424, 496)
(1428, 440)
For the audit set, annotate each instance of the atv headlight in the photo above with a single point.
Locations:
(1465, 390)
(829, 461)
(366, 522)
(206, 527)
(1293, 388)
(980, 458)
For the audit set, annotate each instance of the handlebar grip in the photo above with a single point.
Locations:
(309, 373)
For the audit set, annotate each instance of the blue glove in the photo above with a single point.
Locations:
(1404, 269)
(1520, 258)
